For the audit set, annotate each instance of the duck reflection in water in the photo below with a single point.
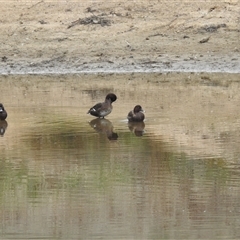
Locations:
(137, 128)
(3, 127)
(104, 126)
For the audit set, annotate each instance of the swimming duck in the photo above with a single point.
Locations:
(136, 115)
(101, 110)
(3, 113)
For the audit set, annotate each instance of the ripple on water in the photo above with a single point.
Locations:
(65, 174)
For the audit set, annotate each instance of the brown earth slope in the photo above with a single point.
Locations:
(74, 36)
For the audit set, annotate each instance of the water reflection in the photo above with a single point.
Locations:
(137, 128)
(3, 127)
(104, 126)
(59, 179)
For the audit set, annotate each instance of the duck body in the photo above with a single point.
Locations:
(3, 113)
(136, 115)
(101, 110)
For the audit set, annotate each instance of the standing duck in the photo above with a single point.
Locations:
(3, 113)
(101, 110)
(136, 115)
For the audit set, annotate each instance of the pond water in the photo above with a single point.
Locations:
(67, 175)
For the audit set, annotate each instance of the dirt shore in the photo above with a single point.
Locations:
(119, 36)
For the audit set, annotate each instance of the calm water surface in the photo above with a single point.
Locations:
(66, 175)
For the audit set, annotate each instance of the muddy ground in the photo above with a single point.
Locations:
(92, 36)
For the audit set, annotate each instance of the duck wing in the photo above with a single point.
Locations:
(95, 109)
(130, 115)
